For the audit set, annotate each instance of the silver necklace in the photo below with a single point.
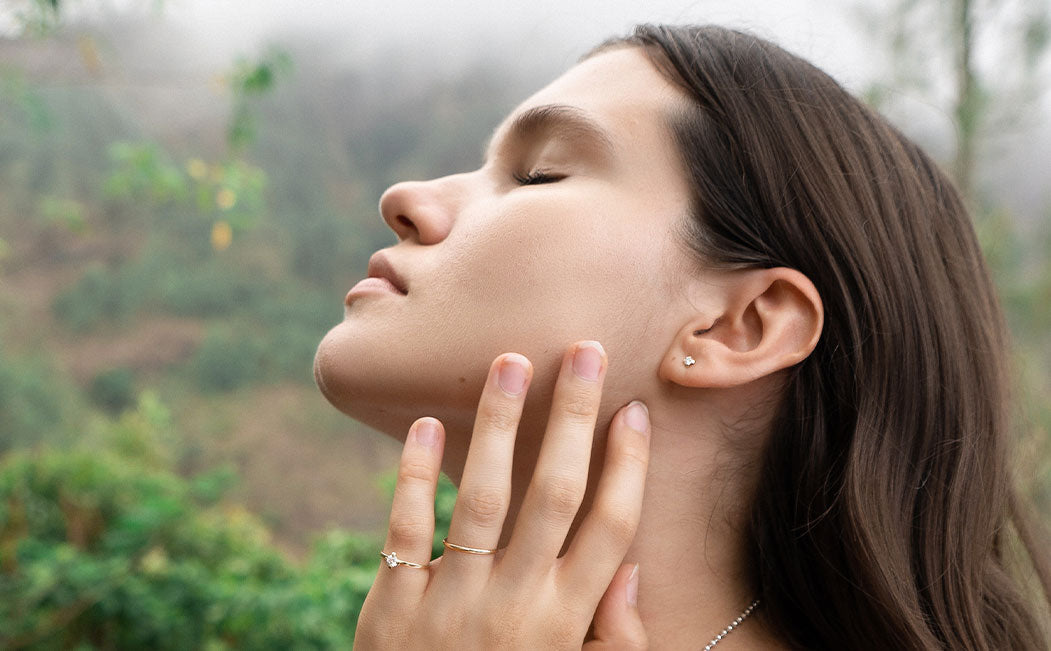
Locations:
(734, 624)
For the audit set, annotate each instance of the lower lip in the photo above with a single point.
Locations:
(372, 286)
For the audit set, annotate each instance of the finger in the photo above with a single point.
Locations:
(609, 526)
(561, 474)
(412, 511)
(485, 487)
(617, 623)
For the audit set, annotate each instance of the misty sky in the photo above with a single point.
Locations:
(450, 31)
(441, 36)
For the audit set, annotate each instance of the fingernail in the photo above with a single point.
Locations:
(637, 416)
(587, 360)
(426, 433)
(633, 587)
(512, 375)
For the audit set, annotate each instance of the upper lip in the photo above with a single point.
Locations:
(381, 267)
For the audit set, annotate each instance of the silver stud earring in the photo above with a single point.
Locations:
(688, 361)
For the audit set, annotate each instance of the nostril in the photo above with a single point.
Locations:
(405, 221)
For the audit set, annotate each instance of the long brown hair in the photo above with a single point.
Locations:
(882, 515)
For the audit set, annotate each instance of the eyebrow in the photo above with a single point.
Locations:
(560, 120)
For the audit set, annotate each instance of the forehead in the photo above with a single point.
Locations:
(619, 90)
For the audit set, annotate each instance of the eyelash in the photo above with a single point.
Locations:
(537, 177)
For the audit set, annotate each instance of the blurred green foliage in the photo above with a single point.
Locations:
(251, 78)
(101, 295)
(105, 546)
(142, 172)
(227, 360)
(24, 106)
(36, 401)
(113, 389)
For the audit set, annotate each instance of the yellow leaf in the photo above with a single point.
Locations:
(225, 198)
(196, 168)
(89, 54)
(222, 235)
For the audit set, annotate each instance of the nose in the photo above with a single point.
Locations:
(420, 210)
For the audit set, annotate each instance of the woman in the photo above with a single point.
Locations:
(727, 281)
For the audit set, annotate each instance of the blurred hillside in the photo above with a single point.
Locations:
(193, 231)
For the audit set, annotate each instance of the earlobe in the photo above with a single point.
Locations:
(767, 320)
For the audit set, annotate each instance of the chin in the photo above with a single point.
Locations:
(350, 382)
(386, 392)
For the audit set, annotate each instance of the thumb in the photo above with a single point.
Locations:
(617, 624)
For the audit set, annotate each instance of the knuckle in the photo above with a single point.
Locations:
(618, 525)
(560, 497)
(482, 504)
(499, 418)
(408, 528)
(580, 404)
(413, 471)
(633, 454)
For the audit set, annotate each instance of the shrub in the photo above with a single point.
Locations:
(34, 402)
(99, 296)
(211, 289)
(113, 390)
(106, 547)
(226, 360)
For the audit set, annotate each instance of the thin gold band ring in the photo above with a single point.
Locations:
(467, 550)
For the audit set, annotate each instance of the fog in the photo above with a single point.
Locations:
(447, 34)
(536, 40)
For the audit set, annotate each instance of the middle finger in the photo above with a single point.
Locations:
(485, 487)
(561, 475)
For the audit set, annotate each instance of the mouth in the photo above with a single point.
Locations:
(382, 278)
(381, 267)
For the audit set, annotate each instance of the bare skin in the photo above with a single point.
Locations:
(587, 248)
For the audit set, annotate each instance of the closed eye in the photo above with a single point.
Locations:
(537, 177)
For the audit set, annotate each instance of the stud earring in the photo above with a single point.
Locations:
(688, 361)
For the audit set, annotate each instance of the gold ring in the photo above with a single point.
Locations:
(467, 550)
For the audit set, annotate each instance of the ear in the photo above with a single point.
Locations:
(758, 322)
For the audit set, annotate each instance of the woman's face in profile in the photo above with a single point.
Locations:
(567, 232)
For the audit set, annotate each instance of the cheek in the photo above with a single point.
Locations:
(561, 271)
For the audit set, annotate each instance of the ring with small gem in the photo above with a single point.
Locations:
(393, 561)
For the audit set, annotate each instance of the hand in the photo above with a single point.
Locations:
(524, 596)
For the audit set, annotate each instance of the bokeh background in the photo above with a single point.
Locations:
(189, 187)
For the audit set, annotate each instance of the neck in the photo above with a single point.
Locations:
(690, 547)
